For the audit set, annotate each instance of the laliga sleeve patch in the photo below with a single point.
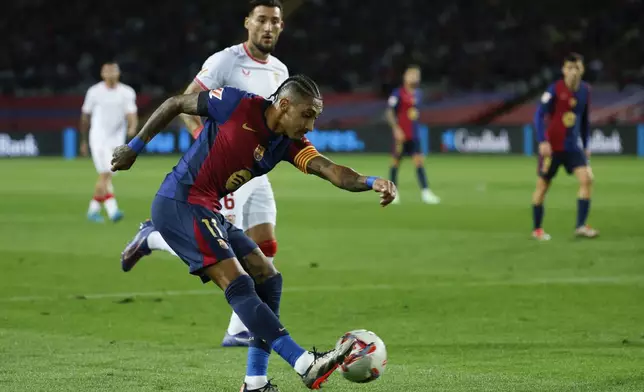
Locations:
(545, 98)
(393, 101)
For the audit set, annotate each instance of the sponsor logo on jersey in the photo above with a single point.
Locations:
(237, 179)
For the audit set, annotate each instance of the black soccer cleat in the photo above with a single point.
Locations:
(324, 364)
(266, 388)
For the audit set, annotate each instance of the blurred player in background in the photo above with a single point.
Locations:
(567, 103)
(244, 136)
(109, 107)
(248, 66)
(402, 116)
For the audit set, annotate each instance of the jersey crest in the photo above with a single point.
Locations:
(258, 154)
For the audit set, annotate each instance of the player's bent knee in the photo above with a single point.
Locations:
(258, 266)
(224, 272)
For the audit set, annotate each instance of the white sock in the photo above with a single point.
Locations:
(236, 326)
(255, 382)
(270, 259)
(111, 206)
(156, 242)
(303, 362)
(94, 207)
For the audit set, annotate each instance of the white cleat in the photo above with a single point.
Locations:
(429, 197)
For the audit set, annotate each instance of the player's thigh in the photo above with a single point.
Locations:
(198, 235)
(547, 167)
(250, 255)
(260, 211)
(575, 162)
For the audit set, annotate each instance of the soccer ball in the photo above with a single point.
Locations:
(368, 358)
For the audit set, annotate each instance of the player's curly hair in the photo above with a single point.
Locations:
(298, 84)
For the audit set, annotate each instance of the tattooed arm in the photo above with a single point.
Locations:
(168, 110)
(341, 176)
(124, 156)
(348, 179)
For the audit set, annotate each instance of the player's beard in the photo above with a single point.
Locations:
(266, 49)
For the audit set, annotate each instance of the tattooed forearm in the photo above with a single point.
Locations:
(340, 176)
(166, 112)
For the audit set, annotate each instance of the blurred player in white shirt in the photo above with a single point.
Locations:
(108, 107)
(248, 66)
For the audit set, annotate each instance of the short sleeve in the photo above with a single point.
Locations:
(89, 102)
(394, 98)
(130, 104)
(300, 152)
(216, 70)
(220, 103)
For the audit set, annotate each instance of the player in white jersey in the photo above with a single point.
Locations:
(248, 66)
(109, 107)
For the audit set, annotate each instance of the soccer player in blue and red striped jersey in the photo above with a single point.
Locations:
(567, 104)
(402, 116)
(244, 136)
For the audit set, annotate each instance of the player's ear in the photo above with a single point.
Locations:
(283, 104)
(246, 22)
(281, 26)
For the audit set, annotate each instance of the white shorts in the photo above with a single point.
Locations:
(251, 205)
(102, 156)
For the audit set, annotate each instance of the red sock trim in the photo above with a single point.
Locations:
(269, 248)
(108, 196)
(99, 199)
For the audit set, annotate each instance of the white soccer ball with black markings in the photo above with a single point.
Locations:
(368, 358)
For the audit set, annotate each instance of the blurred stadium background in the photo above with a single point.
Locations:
(463, 298)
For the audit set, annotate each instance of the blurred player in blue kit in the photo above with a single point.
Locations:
(402, 115)
(244, 136)
(567, 104)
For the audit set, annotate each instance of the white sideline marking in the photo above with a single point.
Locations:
(613, 280)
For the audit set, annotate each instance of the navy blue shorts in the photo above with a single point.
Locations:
(408, 147)
(569, 159)
(199, 236)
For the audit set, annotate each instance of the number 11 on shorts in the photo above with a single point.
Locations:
(210, 224)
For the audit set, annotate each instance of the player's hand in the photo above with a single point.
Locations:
(399, 135)
(545, 150)
(131, 132)
(84, 149)
(123, 158)
(387, 191)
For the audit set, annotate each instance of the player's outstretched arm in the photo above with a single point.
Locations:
(348, 179)
(124, 156)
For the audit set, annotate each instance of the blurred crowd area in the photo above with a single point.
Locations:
(57, 47)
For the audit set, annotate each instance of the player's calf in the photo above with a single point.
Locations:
(538, 197)
(583, 203)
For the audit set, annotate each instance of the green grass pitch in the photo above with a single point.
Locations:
(461, 295)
